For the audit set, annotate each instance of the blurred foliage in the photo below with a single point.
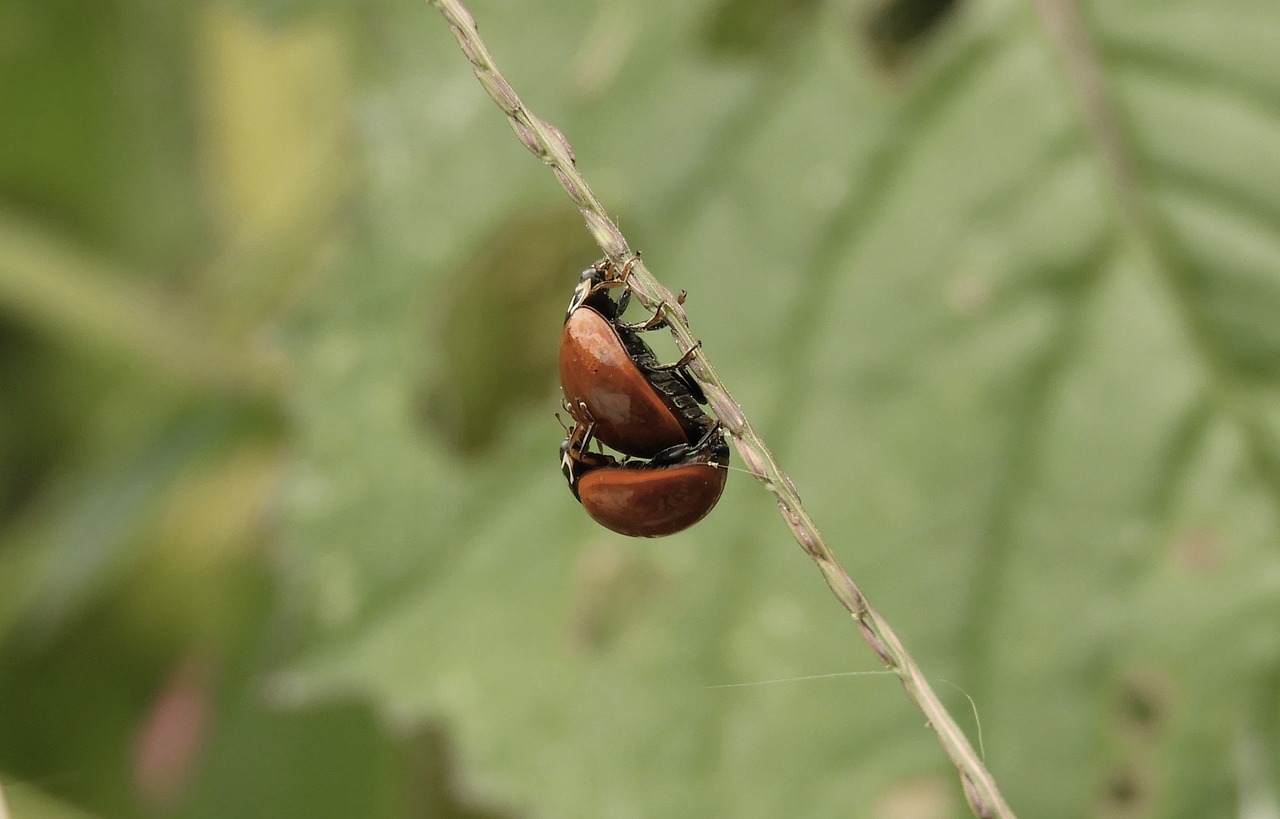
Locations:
(281, 528)
(895, 27)
(505, 296)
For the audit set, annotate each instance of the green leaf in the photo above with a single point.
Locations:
(1014, 336)
(1010, 319)
(999, 284)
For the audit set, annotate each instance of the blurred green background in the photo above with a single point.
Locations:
(282, 531)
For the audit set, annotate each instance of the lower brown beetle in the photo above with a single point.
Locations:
(661, 496)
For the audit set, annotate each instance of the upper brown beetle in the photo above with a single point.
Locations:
(612, 380)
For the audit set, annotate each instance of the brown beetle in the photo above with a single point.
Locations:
(654, 498)
(612, 380)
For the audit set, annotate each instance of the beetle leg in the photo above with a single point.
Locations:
(695, 389)
(683, 360)
(628, 266)
(580, 436)
(677, 369)
(622, 280)
(670, 455)
(713, 443)
(712, 439)
(706, 438)
(625, 298)
(609, 284)
(575, 457)
(656, 321)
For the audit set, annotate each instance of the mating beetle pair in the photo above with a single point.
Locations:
(619, 395)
